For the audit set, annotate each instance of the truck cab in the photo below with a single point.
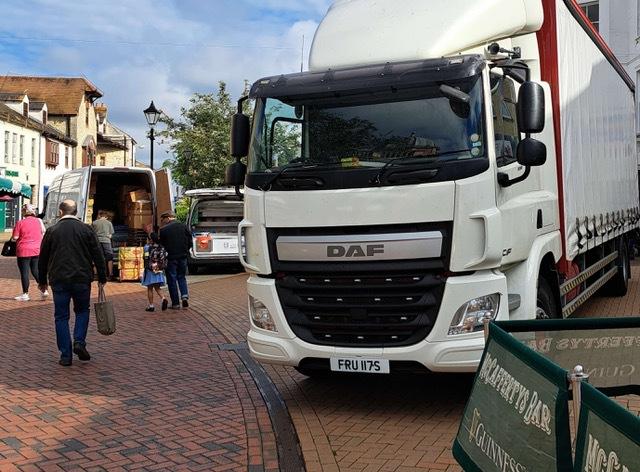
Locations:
(427, 174)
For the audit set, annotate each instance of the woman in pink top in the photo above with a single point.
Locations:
(28, 236)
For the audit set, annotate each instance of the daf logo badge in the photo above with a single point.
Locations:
(355, 250)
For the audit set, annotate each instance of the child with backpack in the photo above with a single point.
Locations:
(155, 262)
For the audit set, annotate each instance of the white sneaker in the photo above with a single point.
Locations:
(22, 298)
(44, 295)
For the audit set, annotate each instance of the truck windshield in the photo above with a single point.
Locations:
(422, 126)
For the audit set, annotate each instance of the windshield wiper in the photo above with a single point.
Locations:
(304, 165)
(293, 165)
(398, 160)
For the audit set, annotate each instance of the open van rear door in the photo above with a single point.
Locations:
(72, 185)
(164, 197)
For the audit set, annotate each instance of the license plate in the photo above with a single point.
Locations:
(359, 364)
(225, 246)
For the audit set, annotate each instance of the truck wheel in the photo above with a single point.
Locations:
(619, 283)
(193, 269)
(546, 306)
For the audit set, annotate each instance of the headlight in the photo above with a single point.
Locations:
(470, 316)
(260, 315)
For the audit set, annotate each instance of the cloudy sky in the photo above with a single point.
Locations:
(164, 50)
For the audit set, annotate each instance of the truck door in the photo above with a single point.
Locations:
(70, 185)
(75, 186)
(163, 197)
(52, 201)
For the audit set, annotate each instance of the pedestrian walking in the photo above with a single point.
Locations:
(155, 262)
(69, 251)
(176, 239)
(104, 229)
(28, 236)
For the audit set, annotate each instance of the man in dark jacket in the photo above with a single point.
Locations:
(68, 253)
(176, 239)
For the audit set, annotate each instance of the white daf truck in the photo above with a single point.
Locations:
(441, 162)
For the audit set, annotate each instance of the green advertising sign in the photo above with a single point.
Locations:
(516, 419)
(608, 349)
(608, 435)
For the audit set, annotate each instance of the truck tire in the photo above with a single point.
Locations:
(619, 283)
(193, 269)
(546, 306)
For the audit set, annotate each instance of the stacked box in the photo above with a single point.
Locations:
(139, 213)
(130, 263)
(139, 195)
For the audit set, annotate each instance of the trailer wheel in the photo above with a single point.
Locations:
(546, 307)
(619, 283)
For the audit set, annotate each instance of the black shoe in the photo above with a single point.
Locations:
(150, 308)
(65, 361)
(165, 304)
(81, 351)
(185, 303)
(175, 307)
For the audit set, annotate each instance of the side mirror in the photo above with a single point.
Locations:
(531, 152)
(530, 108)
(234, 173)
(240, 134)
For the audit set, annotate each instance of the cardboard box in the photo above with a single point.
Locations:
(139, 206)
(139, 219)
(138, 195)
(128, 254)
(130, 274)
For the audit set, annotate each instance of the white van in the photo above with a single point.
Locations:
(104, 188)
(214, 216)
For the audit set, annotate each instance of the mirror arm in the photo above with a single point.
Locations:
(518, 66)
(505, 181)
(241, 101)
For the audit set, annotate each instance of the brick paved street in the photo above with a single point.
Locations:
(158, 395)
(161, 395)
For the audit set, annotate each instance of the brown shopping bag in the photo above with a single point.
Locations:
(105, 317)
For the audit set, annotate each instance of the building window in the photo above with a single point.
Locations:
(25, 109)
(14, 148)
(44, 117)
(66, 156)
(33, 152)
(102, 160)
(21, 150)
(52, 158)
(6, 147)
(592, 10)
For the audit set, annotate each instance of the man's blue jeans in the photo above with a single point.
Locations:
(62, 296)
(177, 278)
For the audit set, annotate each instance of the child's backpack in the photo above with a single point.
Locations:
(157, 258)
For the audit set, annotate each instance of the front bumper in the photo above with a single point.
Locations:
(437, 352)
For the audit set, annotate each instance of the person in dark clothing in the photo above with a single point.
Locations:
(176, 239)
(69, 251)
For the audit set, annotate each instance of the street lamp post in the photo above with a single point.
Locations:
(152, 114)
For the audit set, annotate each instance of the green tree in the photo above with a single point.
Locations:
(199, 139)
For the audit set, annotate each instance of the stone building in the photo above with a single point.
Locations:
(30, 149)
(70, 108)
(115, 147)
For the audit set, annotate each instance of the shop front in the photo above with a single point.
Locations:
(12, 193)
